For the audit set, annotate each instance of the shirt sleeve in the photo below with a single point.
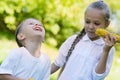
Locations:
(61, 58)
(97, 76)
(9, 64)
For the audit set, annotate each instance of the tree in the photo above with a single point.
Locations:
(61, 18)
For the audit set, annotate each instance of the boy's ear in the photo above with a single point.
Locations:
(20, 36)
(107, 23)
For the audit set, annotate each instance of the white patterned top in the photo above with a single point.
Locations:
(83, 60)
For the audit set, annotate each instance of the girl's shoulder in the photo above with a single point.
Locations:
(68, 42)
(72, 38)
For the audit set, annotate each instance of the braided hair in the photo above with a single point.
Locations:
(97, 5)
(77, 39)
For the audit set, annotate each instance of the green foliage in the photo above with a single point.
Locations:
(61, 18)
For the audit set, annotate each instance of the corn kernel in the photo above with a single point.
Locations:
(101, 32)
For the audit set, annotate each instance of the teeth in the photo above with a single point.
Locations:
(37, 28)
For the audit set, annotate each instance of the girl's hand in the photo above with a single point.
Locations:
(109, 41)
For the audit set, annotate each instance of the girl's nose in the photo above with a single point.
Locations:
(91, 26)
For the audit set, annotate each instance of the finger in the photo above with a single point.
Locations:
(106, 37)
(113, 38)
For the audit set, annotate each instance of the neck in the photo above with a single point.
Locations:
(94, 38)
(33, 47)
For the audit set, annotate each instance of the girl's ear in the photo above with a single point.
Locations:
(20, 36)
(107, 23)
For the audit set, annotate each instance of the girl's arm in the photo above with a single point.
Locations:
(54, 68)
(101, 66)
(109, 42)
(8, 77)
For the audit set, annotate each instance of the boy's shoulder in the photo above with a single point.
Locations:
(16, 51)
(45, 56)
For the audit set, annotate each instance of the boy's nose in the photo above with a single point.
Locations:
(36, 24)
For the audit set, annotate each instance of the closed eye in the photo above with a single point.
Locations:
(31, 23)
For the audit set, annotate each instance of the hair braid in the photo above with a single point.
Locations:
(77, 39)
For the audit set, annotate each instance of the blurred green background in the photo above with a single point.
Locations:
(61, 19)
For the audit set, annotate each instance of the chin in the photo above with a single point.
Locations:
(39, 33)
(94, 38)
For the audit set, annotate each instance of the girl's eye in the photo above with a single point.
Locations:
(97, 24)
(87, 22)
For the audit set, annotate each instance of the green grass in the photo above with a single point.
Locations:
(7, 45)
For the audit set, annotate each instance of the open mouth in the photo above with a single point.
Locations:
(37, 28)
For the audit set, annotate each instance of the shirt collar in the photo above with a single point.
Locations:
(30, 55)
(98, 41)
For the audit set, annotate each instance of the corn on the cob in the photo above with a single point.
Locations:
(101, 32)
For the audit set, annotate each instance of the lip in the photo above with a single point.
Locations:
(37, 28)
(91, 31)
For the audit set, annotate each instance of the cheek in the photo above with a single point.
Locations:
(85, 28)
(86, 25)
(43, 32)
(101, 26)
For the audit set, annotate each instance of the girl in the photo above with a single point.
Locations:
(27, 61)
(87, 56)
